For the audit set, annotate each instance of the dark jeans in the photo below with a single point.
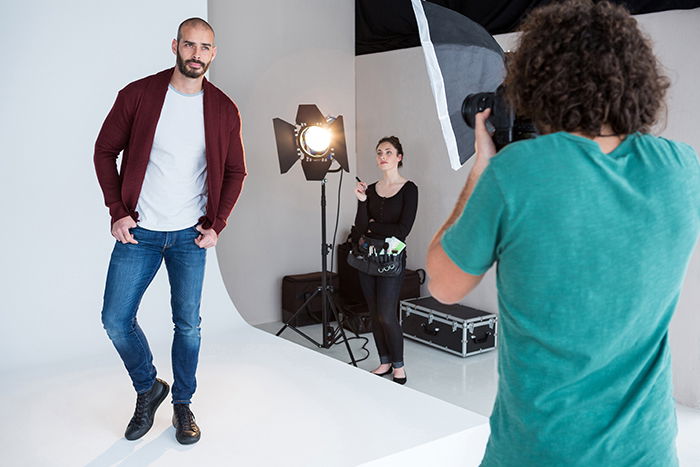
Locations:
(382, 295)
(131, 270)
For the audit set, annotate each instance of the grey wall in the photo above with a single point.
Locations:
(273, 56)
(64, 64)
(394, 97)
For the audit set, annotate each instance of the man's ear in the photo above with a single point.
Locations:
(174, 46)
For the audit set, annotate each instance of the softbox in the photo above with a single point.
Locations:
(461, 59)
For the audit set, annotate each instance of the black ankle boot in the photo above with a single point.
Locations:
(146, 405)
(186, 430)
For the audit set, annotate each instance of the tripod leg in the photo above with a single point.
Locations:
(340, 325)
(288, 324)
(291, 318)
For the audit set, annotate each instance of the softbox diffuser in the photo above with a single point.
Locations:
(461, 59)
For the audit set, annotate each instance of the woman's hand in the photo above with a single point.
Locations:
(360, 189)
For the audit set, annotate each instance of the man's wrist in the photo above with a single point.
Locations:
(480, 164)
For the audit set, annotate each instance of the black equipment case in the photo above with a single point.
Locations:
(457, 329)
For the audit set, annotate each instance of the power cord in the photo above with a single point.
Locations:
(364, 347)
(337, 219)
(336, 341)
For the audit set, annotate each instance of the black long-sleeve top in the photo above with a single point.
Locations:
(391, 216)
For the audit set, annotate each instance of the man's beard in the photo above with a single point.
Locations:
(190, 73)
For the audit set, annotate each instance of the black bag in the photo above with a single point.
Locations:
(349, 282)
(296, 289)
(356, 317)
(365, 258)
(351, 301)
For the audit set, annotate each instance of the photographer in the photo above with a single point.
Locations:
(386, 208)
(592, 225)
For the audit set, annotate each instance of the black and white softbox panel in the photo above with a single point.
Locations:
(461, 59)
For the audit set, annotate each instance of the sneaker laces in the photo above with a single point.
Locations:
(184, 416)
(141, 406)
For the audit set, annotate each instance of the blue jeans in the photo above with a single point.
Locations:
(131, 270)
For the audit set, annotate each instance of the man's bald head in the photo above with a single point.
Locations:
(193, 22)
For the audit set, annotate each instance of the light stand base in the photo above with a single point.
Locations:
(329, 338)
(331, 335)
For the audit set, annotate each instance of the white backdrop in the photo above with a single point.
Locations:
(401, 103)
(64, 63)
(279, 54)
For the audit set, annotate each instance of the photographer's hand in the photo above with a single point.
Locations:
(484, 146)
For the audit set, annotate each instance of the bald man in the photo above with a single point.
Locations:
(181, 172)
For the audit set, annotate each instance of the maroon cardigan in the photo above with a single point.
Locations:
(130, 127)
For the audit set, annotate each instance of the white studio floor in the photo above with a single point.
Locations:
(308, 412)
(261, 401)
(471, 382)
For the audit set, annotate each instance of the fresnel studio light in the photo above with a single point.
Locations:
(317, 141)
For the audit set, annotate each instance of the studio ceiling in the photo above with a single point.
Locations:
(383, 25)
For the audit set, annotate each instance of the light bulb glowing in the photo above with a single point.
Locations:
(316, 139)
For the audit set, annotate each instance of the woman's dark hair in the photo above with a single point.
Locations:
(394, 141)
(581, 64)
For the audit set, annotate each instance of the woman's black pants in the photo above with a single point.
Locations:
(382, 295)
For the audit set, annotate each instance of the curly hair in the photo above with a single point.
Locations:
(394, 141)
(580, 65)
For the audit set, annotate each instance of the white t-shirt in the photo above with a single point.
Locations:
(174, 191)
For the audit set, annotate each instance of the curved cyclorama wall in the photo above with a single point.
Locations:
(65, 64)
(401, 103)
(273, 56)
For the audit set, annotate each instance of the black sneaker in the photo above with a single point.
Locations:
(146, 406)
(186, 430)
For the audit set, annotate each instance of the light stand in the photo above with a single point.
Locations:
(330, 335)
(296, 143)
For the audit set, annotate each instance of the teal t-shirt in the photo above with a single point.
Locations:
(591, 250)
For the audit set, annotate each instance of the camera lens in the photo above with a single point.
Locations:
(475, 103)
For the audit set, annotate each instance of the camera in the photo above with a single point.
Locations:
(507, 126)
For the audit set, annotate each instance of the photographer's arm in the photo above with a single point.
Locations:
(448, 282)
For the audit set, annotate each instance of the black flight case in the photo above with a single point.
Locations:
(457, 329)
